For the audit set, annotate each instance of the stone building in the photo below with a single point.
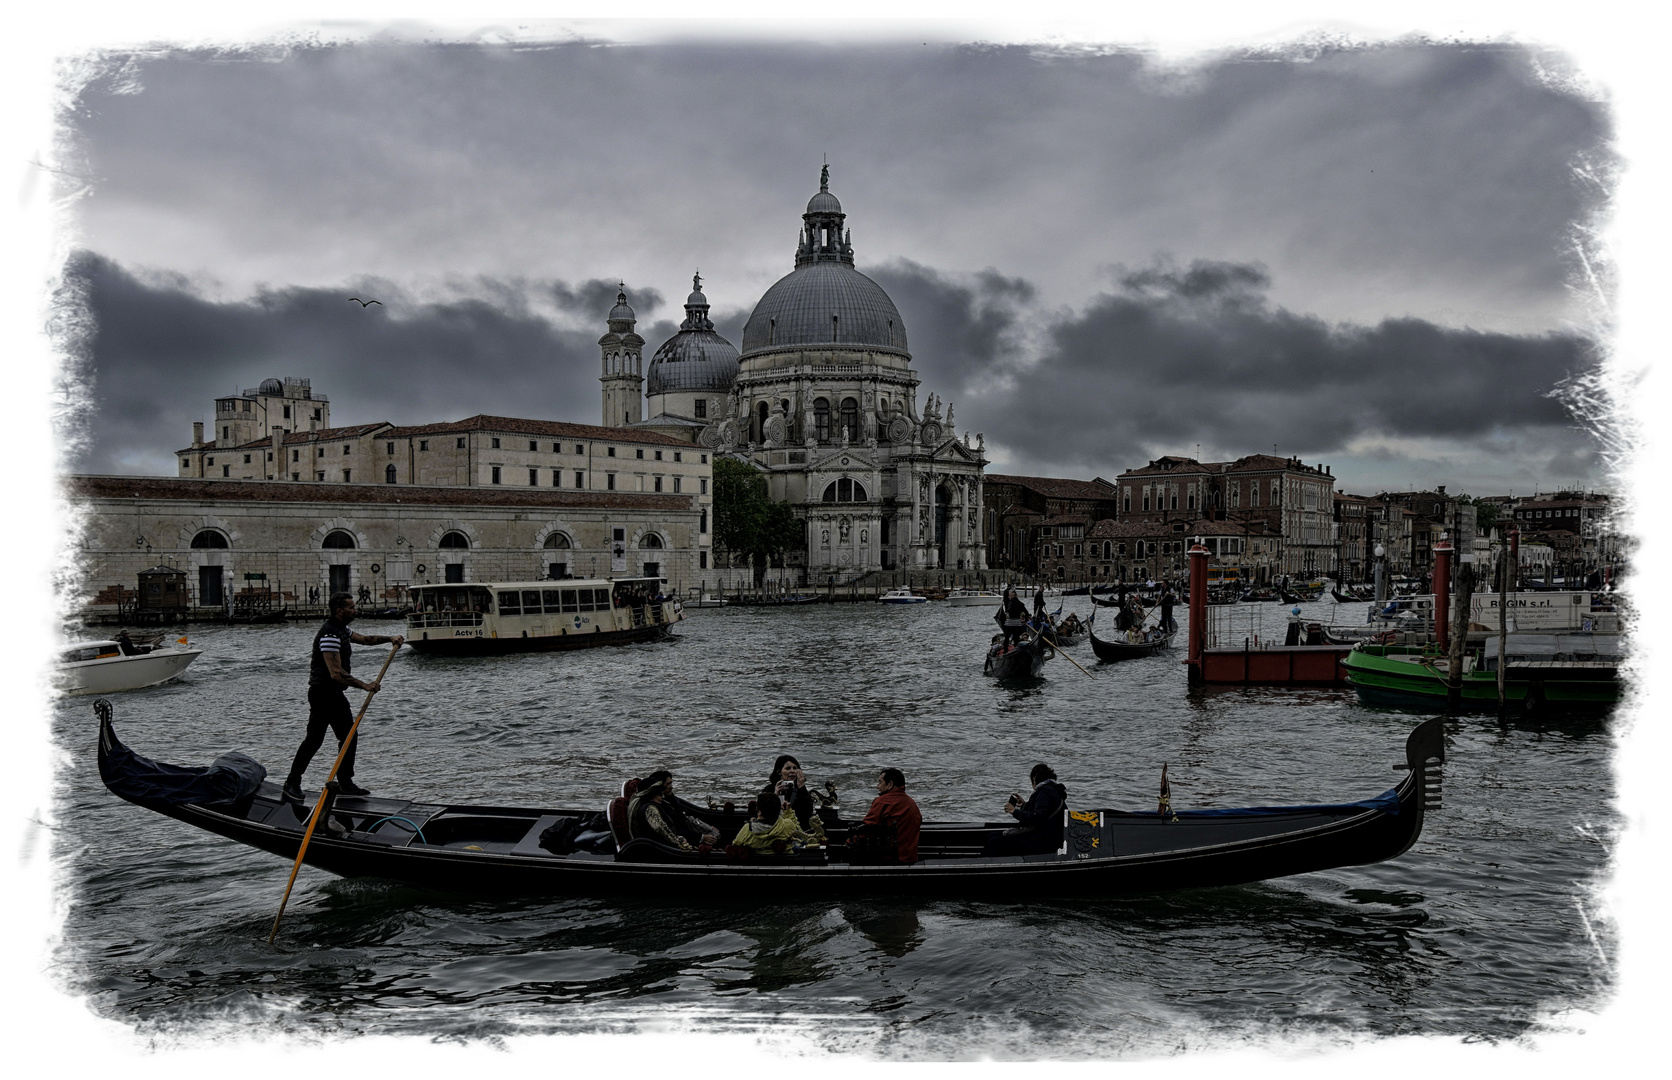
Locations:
(823, 401)
(1574, 525)
(298, 536)
(277, 405)
(1134, 551)
(1284, 498)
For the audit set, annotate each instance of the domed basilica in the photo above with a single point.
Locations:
(823, 401)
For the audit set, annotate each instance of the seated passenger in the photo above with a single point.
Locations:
(789, 782)
(653, 814)
(772, 830)
(892, 812)
(1038, 821)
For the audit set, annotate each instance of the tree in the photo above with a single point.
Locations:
(746, 520)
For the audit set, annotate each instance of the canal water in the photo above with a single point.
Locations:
(1486, 928)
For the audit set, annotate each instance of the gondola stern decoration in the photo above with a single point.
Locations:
(1164, 808)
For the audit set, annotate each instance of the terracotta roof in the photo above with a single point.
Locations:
(1178, 465)
(1053, 488)
(518, 426)
(1270, 462)
(207, 490)
(1065, 519)
(508, 424)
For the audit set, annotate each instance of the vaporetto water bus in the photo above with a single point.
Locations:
(491, 619)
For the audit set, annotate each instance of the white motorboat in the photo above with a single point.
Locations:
(901, 596)
(973, 598)
(704, 601)
(100, 667)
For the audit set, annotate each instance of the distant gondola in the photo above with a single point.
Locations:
(1126, 650)
(498, 850)
(1019, 661)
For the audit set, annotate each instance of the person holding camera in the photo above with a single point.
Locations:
(1038, 828)
(789, 783)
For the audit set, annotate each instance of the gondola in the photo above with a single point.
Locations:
(1349, 597)
(497, 850)
(1105, 603)
(1060, 640)
(1126, 650)
(1019, 661)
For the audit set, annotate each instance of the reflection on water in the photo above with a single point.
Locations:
(1478, 930)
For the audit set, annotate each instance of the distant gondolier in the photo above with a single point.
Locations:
(1012, 617)
(1167, 622)
(328, 678)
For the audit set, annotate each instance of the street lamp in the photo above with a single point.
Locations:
(1381, 576)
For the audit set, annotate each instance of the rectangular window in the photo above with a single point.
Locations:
(316, 415)
(246, 406)
(390, 447)
(226, 432)
(609, 481)
(705, 459)
(510, 603)
(658, 455)
(319, 476)
(495, 474)
(532, 445)
(534, 478)
(702, 560)
(209, 460)
(1175, 501)
(460, 443)
(557, 571)
(557, 478)
(345, 475)
(296, 476)
(496, 443)
(702, 483)
(347, 447)
(423, 444)
(609, 452)
(269, 455)
(702, 408)
(702, 525)
(640, 453)
(1146, 500)
(319, 451)
(287, 412)
(677, 456)
(676, 485)
(571, 602)
(246, 459)
(580, 479)
(658, 483)
(579, 449)
(226, 470)
(1077, 551)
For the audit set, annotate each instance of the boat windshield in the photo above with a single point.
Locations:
(552, 601)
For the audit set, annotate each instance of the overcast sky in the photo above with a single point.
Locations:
(1367, 257)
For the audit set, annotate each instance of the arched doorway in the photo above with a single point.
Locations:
(943, 520)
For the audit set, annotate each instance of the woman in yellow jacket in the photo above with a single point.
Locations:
(771, 830)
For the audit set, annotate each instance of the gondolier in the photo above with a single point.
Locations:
(328, 678)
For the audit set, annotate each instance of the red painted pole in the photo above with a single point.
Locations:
(1198, 610)
(1442, 592)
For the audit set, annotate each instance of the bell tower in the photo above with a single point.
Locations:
(623, 376)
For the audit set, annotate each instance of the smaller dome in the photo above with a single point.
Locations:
(622, 312)
(272, 386)
(696, 299)
(823, 203)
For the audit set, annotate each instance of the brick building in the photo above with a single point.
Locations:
(1017, 508)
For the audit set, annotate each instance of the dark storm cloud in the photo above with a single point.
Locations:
(156, 352)
(1179, 356)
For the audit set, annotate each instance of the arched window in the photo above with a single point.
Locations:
(454, 539)
(850, 419)
(557, 541)
(821, 419)
(388, 474)
(844, 490)
(339, 538)
(650, 540)
(210, 538)
(762, 411)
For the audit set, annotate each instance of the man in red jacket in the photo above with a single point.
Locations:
(893, 808)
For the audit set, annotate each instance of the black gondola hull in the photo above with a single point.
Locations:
(1112, 651)
(487, 849)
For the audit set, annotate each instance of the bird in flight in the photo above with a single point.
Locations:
(366, 303)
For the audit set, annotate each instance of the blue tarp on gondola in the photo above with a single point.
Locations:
(232, 777)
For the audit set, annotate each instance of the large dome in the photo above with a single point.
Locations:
(695, 359)
(828, 304)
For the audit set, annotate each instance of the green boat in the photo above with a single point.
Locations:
(1545, 672)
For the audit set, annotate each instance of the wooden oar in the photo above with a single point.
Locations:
(1062, 654)
(313, 820)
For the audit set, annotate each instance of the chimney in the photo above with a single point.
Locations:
(1442, 489)
(197, 434)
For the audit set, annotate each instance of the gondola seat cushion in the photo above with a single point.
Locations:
(617, 812)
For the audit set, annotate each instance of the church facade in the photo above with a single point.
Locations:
(823, 401)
